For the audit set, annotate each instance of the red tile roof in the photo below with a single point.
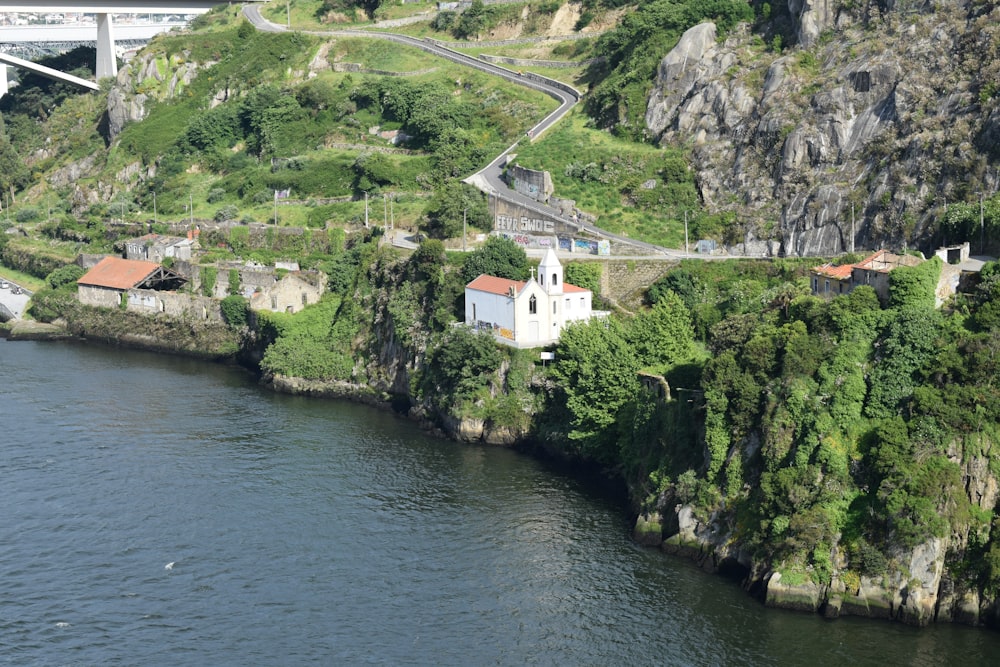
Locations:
(118, 273)
(841, 272)
(494, 285)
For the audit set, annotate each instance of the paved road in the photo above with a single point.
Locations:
(13, 303)
(488, 179)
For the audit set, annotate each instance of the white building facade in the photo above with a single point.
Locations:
(527, 314)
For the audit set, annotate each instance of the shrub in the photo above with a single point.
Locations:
(215, 195)
(225, 213)
(235, 311)
(208, 277)
(65, 276)
(26, 215)
(234, 282)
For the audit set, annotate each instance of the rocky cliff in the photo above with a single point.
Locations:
(919, 586)
(857, 137)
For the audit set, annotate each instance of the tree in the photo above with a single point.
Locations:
(499, 257)
(452, 206)
(460, 367)
(663, 334)
(584, 274)
(65, 276)
(596, 376)
(914, 286)
(14, 175)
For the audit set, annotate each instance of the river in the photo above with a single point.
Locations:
(161, 511)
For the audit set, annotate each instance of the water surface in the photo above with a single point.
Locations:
(161, 511)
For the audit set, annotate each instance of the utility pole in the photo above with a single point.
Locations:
(982, 227)
(191, 209)
(154, 207)
(464, 217)
(288, 14)
(685, 231)
(392, 219)
(852, 227)
(275, 208)
(366, 209)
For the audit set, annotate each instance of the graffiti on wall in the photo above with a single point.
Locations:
(510, 223)
(503, 332)
(529, 241)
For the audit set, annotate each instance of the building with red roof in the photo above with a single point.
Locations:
(109, 282)
(531, 313)
(831, 280)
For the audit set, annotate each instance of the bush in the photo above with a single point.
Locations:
(215, 195)
(235, 311)
(208, 277)
(26, 215)
(225, 213)
(65, 276)
(234, 282)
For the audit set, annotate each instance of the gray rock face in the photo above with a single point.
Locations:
(885, 122)
(814, 16)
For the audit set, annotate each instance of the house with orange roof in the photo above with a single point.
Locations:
(113, 279)
(830, 280)
(531, 313)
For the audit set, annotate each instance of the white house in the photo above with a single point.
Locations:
(527, 314)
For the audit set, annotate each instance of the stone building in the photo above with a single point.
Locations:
(108, 284)
(830, 280)
(156, 248)
(290, 293)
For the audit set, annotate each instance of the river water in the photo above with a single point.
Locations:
(161, 511)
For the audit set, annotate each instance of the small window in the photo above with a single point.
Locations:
(827, 285)
(532, 305)
(554, 304)
(555, 279)
(474, 318)
(567, 304)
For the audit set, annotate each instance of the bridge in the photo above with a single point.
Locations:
(103, 32)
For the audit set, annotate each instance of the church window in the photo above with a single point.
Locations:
(532, 305)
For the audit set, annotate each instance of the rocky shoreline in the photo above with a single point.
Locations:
(918, 592)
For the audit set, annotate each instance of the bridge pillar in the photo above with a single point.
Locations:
(107, 64)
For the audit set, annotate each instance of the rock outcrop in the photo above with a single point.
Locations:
(855, 138)
(919, 586)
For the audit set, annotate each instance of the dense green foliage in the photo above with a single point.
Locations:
(454, 208)
(499, 257)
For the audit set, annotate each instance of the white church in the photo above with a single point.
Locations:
(527, 314)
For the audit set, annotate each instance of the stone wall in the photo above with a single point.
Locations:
(530, 182)
(551, 64)
(625, 281)
(175, 304)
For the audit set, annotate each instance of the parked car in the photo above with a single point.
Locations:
(4, 284)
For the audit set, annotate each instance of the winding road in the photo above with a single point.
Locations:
(488, 179)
